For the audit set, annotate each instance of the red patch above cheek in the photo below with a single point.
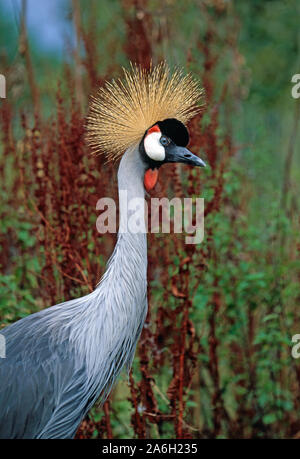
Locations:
(150, 178)
(154, 128)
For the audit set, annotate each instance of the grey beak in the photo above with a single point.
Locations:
(177, 154)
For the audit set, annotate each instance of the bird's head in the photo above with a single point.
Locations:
(147, 110)
(165, 142)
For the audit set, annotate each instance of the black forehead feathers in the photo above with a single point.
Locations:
(175, 130)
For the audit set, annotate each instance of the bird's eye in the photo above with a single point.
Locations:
(164, 140)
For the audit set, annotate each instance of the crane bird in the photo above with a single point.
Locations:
(61, 360)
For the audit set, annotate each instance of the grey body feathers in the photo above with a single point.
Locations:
(59, 361)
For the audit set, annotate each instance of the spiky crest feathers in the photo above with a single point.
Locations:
(125, 108)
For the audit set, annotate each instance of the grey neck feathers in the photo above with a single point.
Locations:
(128, 262)
(131, 246)
(131, 193)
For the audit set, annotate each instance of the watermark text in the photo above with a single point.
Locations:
(160, 215)
(2, 87)
(296, 88)
(2, 347)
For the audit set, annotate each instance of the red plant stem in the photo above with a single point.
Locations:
(214, 363)
(78, 76)
(185, 272)
(181, 372)
(138, 424)
(107, 420)
(24, 51)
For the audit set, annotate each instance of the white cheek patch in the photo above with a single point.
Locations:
(153, 147)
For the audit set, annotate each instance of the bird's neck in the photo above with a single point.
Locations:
(131, 194)
(129, 259)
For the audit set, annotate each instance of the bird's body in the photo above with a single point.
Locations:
(59, 361)
(62, 359)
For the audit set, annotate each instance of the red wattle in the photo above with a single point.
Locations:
(150, 178)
